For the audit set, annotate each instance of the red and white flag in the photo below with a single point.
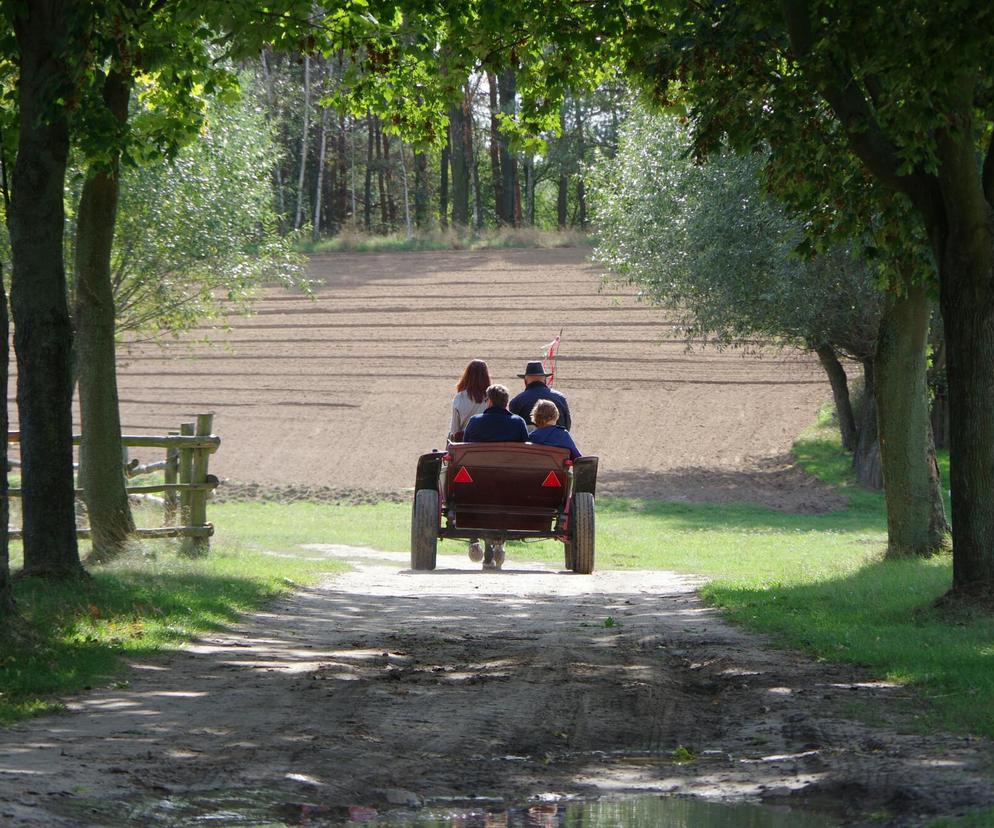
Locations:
(549, 358)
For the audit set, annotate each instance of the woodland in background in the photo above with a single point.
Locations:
(340, 172)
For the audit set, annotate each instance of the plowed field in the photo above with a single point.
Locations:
(346, 388)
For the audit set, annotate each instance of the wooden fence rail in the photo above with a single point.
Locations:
(185, 487)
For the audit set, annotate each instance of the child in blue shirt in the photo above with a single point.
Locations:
(545, 415)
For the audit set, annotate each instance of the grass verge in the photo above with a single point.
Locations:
(75, 634)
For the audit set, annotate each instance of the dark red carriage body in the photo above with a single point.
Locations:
(506, 487)
(501, 491)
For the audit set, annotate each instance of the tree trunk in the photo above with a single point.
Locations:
(407, 199)
(267, 79)
(367, 207)
(866, 459)
(840, 394)
(562, 197)
(530, 191)
(322, 139)
(355, 212)
(42, 333)
(388, 181)
(967, 301)
(472, 171)
(477, 194)
(299, 218)
(495, 171)
(443, 186)
(507, 90)
(916, 523)
(7, 607)
(420, 190)
(341, 178)
(460, 166)
(581, 148)
(101, 451)
(380, 183)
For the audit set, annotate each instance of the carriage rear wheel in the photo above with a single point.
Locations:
(582, 535)
(424, 530)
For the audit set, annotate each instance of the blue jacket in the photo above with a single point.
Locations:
(555, 435)
(496, 425)
(523, 404)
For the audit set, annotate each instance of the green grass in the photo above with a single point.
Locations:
(75, 634)
(976, 819)
(398, 242)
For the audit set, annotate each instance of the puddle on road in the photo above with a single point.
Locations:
(261, 809)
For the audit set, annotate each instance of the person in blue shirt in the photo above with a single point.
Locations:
(496, 424)
(545, 415)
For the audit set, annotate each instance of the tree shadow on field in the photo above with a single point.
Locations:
(775, 483)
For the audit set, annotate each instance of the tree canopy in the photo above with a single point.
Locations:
(705, 241)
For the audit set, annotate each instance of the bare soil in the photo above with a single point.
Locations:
(309, 390)
(384, 687)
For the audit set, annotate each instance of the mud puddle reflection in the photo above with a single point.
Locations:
(270, 809)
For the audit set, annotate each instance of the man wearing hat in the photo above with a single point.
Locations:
(535, 390)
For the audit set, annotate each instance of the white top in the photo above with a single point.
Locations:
(464, 407)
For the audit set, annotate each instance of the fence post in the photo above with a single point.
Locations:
(198, 496)
(185, 472)
(171, 475)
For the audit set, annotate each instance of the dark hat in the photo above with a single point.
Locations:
(534, 369)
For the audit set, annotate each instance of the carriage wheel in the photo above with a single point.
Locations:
(424, 530)
(583, 534)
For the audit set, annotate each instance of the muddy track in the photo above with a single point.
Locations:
(383, 686)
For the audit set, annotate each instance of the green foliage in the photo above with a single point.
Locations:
(983, 818)
(200, 229)
(833, 91)
(704, 240)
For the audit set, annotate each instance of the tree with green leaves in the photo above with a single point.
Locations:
(197, 234)
(73, 62)
(704, 240)
(41, 40)
(906, 90)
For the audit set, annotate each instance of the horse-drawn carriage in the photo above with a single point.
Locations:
(504, 491)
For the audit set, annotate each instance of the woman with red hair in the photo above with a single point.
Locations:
(470, 397)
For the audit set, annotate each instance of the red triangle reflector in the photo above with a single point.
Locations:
(551, 481)
(462, 476)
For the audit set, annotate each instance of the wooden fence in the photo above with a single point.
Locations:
(186, 481)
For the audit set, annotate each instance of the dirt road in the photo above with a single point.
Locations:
(384, 687)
